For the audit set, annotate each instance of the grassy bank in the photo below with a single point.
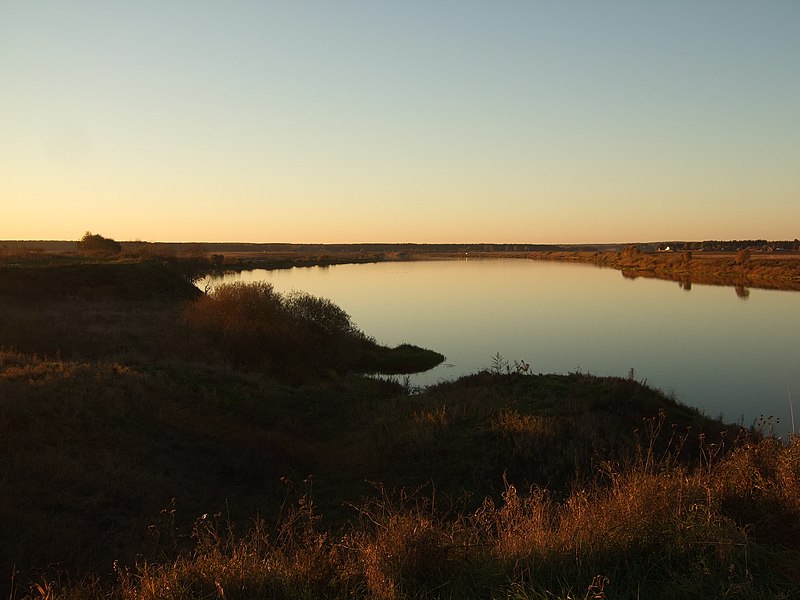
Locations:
(740, 270)
(155, 442)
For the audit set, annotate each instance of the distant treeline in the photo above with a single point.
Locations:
(229, 247)
(733, 245)
(402, 248)
(233, 247)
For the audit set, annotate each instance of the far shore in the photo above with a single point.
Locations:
(738, 264)
(769, 271)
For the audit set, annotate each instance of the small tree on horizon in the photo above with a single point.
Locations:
(95, 244)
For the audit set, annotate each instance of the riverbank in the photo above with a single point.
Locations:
(135, 449)
(770, 271)
(757, 267)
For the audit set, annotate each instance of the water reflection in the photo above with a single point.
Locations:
(742, 292)
(713, 351)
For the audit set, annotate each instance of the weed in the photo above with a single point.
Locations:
(498, 365)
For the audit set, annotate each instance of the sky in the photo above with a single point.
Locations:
(436, 121)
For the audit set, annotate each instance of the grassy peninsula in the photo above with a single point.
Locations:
(158, 442)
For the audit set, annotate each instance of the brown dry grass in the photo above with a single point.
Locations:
(761, 270)
(651, 531)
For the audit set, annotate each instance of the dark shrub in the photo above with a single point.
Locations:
(292, 335)
(94, 244)
(253, 325)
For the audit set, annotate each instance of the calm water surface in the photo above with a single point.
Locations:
(707, 346)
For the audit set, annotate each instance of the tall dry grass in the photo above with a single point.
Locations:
(649, 531)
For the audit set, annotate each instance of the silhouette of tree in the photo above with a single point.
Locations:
(92, 243)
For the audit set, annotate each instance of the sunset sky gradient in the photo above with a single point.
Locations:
(451, 121)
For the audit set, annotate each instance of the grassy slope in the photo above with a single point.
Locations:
(131, 281)
(97, 440)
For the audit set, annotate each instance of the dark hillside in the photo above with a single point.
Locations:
(108, 281)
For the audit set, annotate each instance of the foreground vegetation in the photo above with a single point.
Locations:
(156, 442)
(650, 531)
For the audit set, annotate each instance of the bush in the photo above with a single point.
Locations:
(293, 335)
(253, 325)
(94, 244)
(319, 316)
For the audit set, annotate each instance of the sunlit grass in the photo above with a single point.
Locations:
(650, 531)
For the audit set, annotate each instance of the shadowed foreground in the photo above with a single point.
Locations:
(186, 446)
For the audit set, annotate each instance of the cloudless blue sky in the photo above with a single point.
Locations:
(392, 122)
